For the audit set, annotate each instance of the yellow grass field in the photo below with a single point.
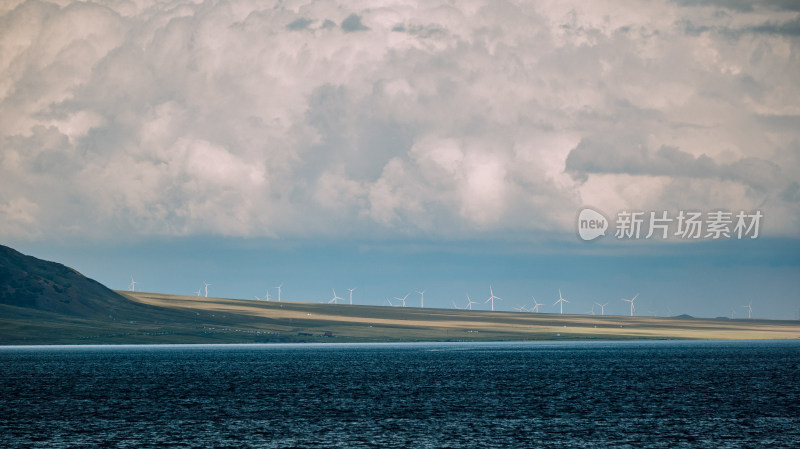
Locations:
(296, 321)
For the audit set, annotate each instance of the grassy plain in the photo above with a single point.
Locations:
(311, 321)
(193, 319)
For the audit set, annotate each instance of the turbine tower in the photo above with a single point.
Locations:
(133, 284)
(561, 300)
(351, 295)
(492, 298)
(631, 301)
(535, 307)
(422, 299)
(602, 308)
(206, 284)
(749, 308)
(279, 292)
(198, 291)
(266, 296)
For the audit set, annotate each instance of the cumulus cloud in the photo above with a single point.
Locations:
(319, 117)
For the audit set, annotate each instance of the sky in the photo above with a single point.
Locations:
(401, 146)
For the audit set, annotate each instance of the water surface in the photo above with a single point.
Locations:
(471, 395)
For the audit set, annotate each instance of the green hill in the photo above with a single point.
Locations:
(40, 285)
(44, 302)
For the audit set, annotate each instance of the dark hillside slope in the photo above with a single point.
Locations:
(30, 283)
(44, 302)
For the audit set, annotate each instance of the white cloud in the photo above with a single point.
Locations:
(346, 118)
(484, 195)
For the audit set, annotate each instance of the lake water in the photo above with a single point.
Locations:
(438, 395)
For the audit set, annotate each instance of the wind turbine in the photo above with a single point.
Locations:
(266, 296)
(206, 284)
(335, 299)
(351, 295)
(133, 284)
(602, 308)
(403, 299)
(455, 306)
(422, 299)
(470, 302)
(631, 301)
(279, 292)
(198, 291)
(535, 307)
(520, 308)
(749, 308)
(389, 302)
(492, 298)
(560, 300)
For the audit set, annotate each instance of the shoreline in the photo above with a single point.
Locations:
(406, 344)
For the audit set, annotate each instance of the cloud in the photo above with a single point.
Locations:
(743, 5)
(421, 118)
(299, 24)
(790, 28)
(353, 23)
(596, 157)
